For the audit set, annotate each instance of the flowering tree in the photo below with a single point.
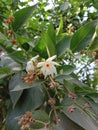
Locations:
(48, 66)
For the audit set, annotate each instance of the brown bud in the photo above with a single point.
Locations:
(52, 101)
(53, 84)
(6, 21)
(71, 109)
(96, 62)
(29, 114)
(93, 53)
(13, 41)
(9, 32)
(12, 19)
(87, 105)
(72, 95)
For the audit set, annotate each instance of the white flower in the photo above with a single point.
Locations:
(48, 67)
(31, 64)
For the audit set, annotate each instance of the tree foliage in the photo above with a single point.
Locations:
(65, 96)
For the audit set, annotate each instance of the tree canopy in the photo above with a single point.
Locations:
(48, 64)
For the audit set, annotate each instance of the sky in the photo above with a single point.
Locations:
(36, 1)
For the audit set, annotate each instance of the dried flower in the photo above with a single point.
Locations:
(71, 109)
(87, 105)
(13, 41)
(12, 19)
(96, 62)
(9, 32)
(52, 102)
(26, 121)
(93, 53)
(72, 95)
(53, 84)
(30, 77)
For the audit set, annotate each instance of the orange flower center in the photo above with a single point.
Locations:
(34, 64)
(47, 65)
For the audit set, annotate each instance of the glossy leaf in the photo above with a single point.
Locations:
(14, 84)
(40, 116)
(60, 29)
(9, 63)
(21, 85)
(84, 90)
(96, 4)
(46, 47)
(2, 37)
(83, 37)
(56, 127)
(30, 100)
(94, 45)
(4, 70)
(67, 69)
(18, 56)
(93, 96)
(21, 16)
(81, 118)
(63, 45)
(68, 124)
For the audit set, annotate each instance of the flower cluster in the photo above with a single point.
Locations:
(46, 67)
(10, 20)
(10, 33)
(52, 102)
(26, 121)
(30, 77)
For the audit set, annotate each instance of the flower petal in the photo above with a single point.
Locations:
(34, 58)
(40, 64)
(51, 58)
(29, 66)
(55, 63)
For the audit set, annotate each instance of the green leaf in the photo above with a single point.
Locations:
(56, 127)
(3, 76)
(94, 45)
(63, 45)
(18, 56)
(21, 16)
(94, 106)
(68, 124)
(46, 47)
(4, 70)
(41, 118)
(96, 4)
(84, 90)
(2, 37)
(67, 69)
(60, 29)
(80, 117)
(83, 37)
(30, 100)
(21, 85)
(60, 78)
(16, 82)
(17, 85)
(7, 62)
(93, 96)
